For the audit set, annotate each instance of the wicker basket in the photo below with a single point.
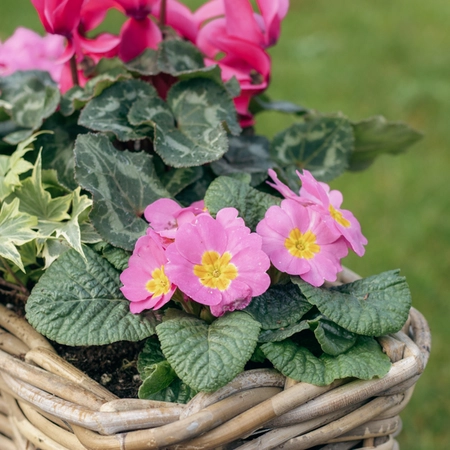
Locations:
(48, 404)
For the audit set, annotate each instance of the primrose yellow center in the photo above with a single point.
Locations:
(338, 217)
(216, 271)
(159, 283)
(302, 245)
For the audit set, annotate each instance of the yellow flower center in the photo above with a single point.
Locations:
(338, 217)
(302, 245)
(216, 271)
(159, 284)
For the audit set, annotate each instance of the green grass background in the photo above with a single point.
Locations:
(364, 58)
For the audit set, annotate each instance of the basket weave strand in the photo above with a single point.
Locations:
(46, 403)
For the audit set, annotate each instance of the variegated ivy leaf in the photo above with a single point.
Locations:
(365, 360)
(122, 185)
(322, 145)
(78, 302)
(251, 203)
(375, 135)
(13, 166)
(108, 112)
(36, 201)
(69, 229)
(16, 228)
(189, 129)
(206, 357)
(373, 306)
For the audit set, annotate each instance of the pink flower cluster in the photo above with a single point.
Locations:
(228, 32)
(308, 234)
(220, 263)
(215, 262)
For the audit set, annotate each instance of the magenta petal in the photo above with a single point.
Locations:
(136, 36)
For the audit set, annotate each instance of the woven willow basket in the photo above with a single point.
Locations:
(48, 404)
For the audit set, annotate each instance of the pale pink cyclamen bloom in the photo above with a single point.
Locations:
(27, 50)
(299, 242)
(145, 282)
(218, 262)
(328, 203)
(242, 35)
(165, 216)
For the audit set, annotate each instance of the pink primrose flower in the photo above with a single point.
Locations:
(328, 203)
(166, 215)
(299, 242)
(284, 190)
(27, 50)
(218, 262)
(145, 282)
(242, 36)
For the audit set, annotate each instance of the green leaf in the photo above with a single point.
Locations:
(207, 357)
(280, 306)
(176, 57)
(36, 201)
(155, 371)
(57, 147)
(32, 97)
(78, 302)
(15, 229)
(262, 102)
(283, 333)
(375, 135)
(145, 64)
(76, 97)
(246, 154)
(116, 256)
(365, 360)
(122, 184)
(13, 166)
(176, 180)
(252, 204)
(373, 306)
(332, 338)
(108, 112)
(176, 392)
(322, 145)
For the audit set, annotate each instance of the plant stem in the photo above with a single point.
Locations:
(74, 70)
(163, 13)
(19, 286)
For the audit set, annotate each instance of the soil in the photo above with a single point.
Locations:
(113, 365)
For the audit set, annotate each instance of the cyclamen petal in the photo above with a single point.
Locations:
(301, 243)
(145, 282)
(218, 262)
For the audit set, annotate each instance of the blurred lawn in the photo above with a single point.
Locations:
(364, 58)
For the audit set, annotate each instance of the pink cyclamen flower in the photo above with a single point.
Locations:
(299, 242)
(218, 262)
(242, 35)
(27, 50)
(165, 216)
(145, 282)
(328, 203)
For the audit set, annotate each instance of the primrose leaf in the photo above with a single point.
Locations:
(280, 306)
(375, 135)
(373, 306)
(16, 228)
(122, 185)
(365, 360)
(78, 302)
(322, 145)
(108, 112)
(228, 192)
(206, 357)
(332, 338)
